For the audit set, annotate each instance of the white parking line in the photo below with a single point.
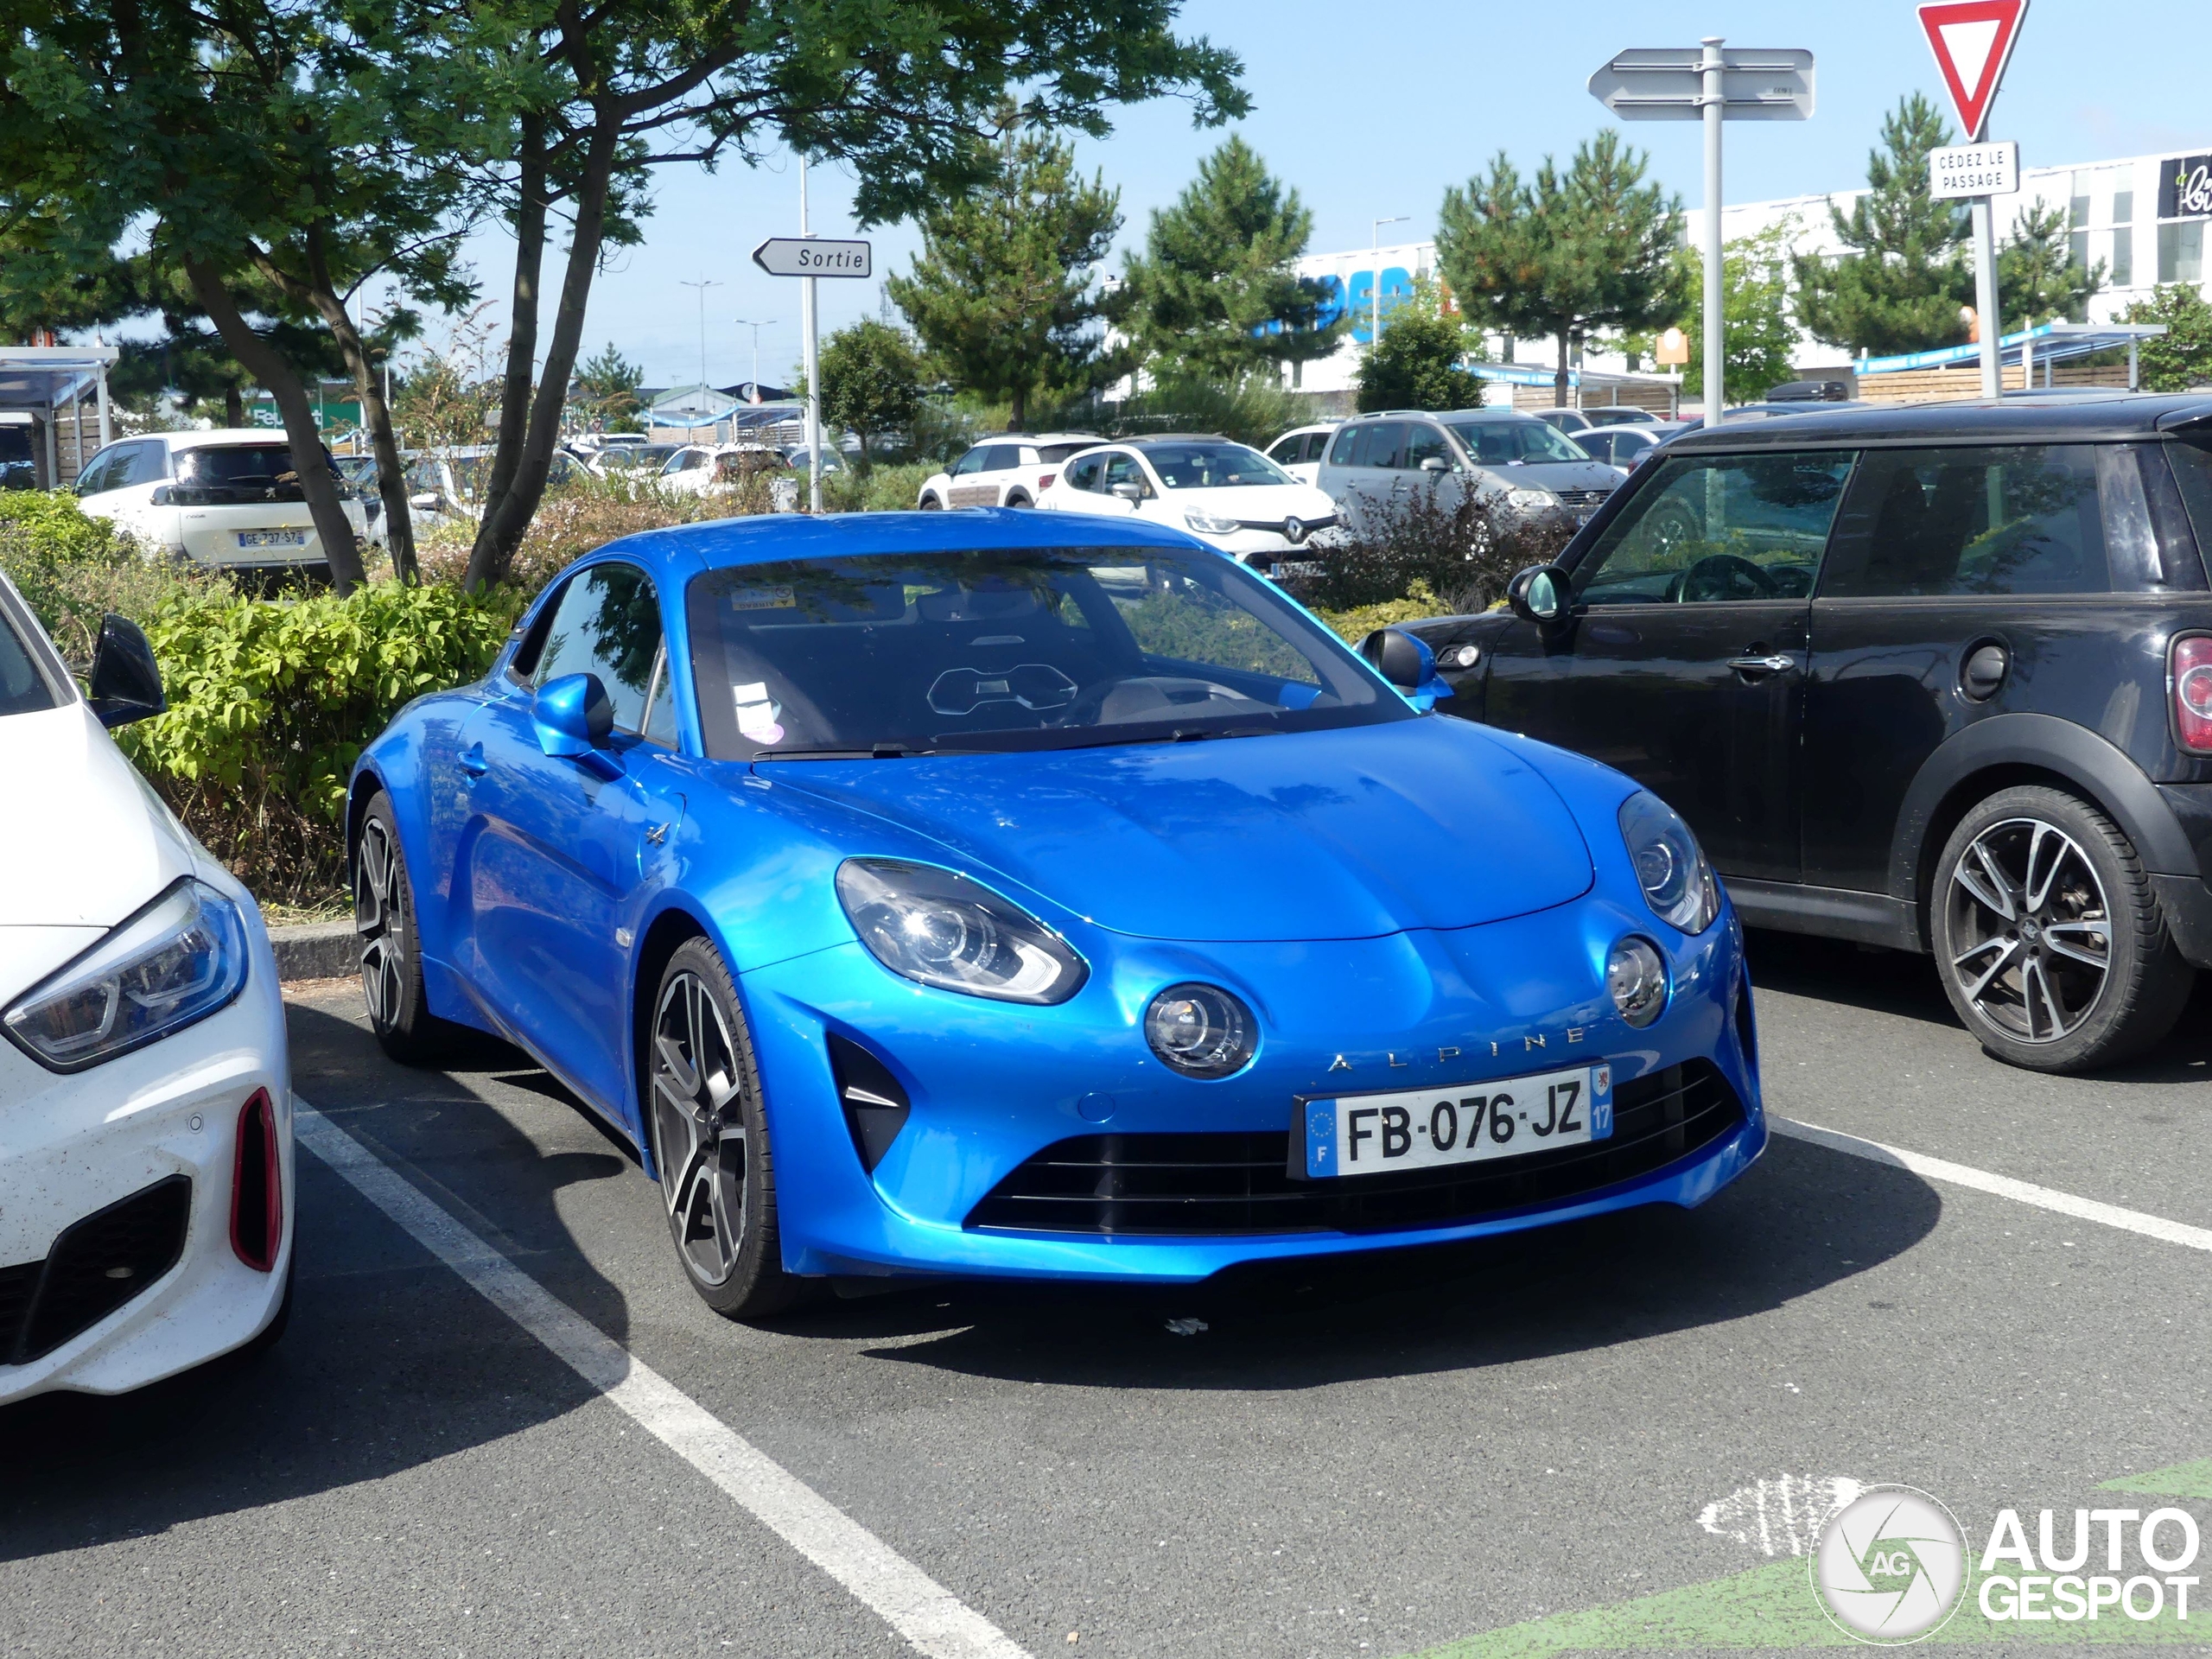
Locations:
(907, 1599)
(1981, 1180)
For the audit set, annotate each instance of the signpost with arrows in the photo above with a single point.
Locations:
(1972, 41)
(1709, 84)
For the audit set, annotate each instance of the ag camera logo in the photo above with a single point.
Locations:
(1891, 1565)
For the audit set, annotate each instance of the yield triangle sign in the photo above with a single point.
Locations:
(1972, 39)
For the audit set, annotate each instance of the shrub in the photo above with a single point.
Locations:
(1458, 544)
(1254, 408)
(1354, 625)
(269, 703)
(71, 569)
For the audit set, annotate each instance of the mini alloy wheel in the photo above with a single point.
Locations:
(392, 967)
(710, 1139)
(2048, 935)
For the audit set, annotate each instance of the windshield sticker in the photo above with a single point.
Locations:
(757, 715)
(762, 599)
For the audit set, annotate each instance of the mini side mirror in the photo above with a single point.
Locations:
(572, 715)
(1128, 489)
(125, 684)
(1436, 464)
(423, 501)
(1540, 594)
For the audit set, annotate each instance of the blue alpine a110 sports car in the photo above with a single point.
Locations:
(1015, 893)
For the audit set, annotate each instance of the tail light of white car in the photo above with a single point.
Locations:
(177, 961)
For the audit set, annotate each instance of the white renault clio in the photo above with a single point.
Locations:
(146, 1192)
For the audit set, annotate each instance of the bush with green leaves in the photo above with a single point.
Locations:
(1460, 545)
(270, 703)
(72, 569)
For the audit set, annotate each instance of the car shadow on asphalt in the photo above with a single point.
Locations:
(1899, 984)
(390, 1361)
(1801, 1221)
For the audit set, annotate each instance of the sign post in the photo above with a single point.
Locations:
(806, 257)
(1706, 84)
(1972, 41)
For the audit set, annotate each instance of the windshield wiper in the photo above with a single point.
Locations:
(876, 752)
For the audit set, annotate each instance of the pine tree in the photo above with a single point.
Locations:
(2037, 280)
(1901, 287)
(1563, 255)
(1002, 293)
(606, 390)
(1216, 292)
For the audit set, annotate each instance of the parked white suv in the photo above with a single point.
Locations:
(1298, 452)
(1012, 471)
(1228, 495)
(226, 498)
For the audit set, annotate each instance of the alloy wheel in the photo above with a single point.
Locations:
(378, 921)
(699, 1127)
(2029, 931)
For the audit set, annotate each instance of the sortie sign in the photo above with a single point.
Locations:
(814, 256)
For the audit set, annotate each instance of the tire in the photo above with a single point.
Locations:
(391, 958)
(710, 1139)
(1020, 501)
(930, 504)
(2048, 934)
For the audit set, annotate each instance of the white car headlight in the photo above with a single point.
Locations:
(939, 927)
(1212, 524)
(1678, 884)
(179, 960)
(1530, 500)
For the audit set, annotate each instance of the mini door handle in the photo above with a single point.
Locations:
(474, 763)
(1773, 664)
(657, 834)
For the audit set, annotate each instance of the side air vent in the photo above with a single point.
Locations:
(875, 1105)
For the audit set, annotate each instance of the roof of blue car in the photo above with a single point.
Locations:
(768, 538)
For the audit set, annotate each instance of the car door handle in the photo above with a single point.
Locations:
(474, 763)
(1773, 664)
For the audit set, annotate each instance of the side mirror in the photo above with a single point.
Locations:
(1540, 594)
(423, 501)
(1436, 464)
(1128, 489)
(1407, 662)
(126, 685)
(572, 715)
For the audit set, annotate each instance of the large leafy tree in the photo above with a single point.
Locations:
(1754, 311)
(1217, 291)
(898, 91)
(1563, 254)
(1901, 285)
(1421, 361)
(871, 381)
(2182, 357)
(1004, 293)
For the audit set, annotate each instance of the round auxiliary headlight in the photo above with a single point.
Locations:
(1200, 1030)
(1636, 977)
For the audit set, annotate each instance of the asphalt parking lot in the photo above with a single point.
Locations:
(1613, 1436)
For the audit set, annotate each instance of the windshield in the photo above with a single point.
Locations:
(1506, 444)
(1020, 650)
(1212, 465)
(23, 689)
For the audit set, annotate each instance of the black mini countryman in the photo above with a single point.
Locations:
(1936, 677)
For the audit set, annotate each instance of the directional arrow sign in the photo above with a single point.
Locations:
(814, 256)
(1668, 84)
(1972, 40)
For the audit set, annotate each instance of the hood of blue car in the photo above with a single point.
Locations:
(1338, 835)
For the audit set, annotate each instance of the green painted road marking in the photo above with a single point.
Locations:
(2183, 1480)
(1774, 1606)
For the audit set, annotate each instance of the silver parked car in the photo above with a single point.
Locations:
(1378, 458)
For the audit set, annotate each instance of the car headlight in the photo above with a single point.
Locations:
(1212, 524)
(1200, 1030)
(179, 960)
(1530, 500)
(944, 929)
(1636, 978)
(1678, 884)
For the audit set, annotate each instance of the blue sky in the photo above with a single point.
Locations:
(1370, 112)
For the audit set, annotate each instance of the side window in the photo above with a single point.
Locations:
(1287, 451)
(2192, 470)
(971, 463)
(1122, 467)
(607, 623)
(1083, 474)
(1315, 443)
(2015, 520)
(1726, 527)
(1001, 456)
(140, 463)
(1423, 442)
(103, 472)
(1386, 442)
(1350, 440)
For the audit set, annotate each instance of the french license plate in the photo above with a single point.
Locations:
(1470, 1123)
(272, 539)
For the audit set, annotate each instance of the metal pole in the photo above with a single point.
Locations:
(52, 449)
(1985, 301)
(2133, 377)
(1716, 356)
(813, 364)
(1375, 292)
(107, 430)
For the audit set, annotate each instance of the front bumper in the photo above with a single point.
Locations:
(992, 1085)
(71, 1145)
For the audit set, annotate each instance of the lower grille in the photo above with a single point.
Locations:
(1581, 500)
(95, 1266)
(1198, 1186)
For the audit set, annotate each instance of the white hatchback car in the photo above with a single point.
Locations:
(146, 1175)
(1298, 452)
(1228, 495)
(1014, 470)
(225, 498)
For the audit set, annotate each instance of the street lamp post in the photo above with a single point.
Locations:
(746, 322)
(1374, 336)
(702, 285)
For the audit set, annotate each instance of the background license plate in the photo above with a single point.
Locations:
(1424, 1129)
(272, 539)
